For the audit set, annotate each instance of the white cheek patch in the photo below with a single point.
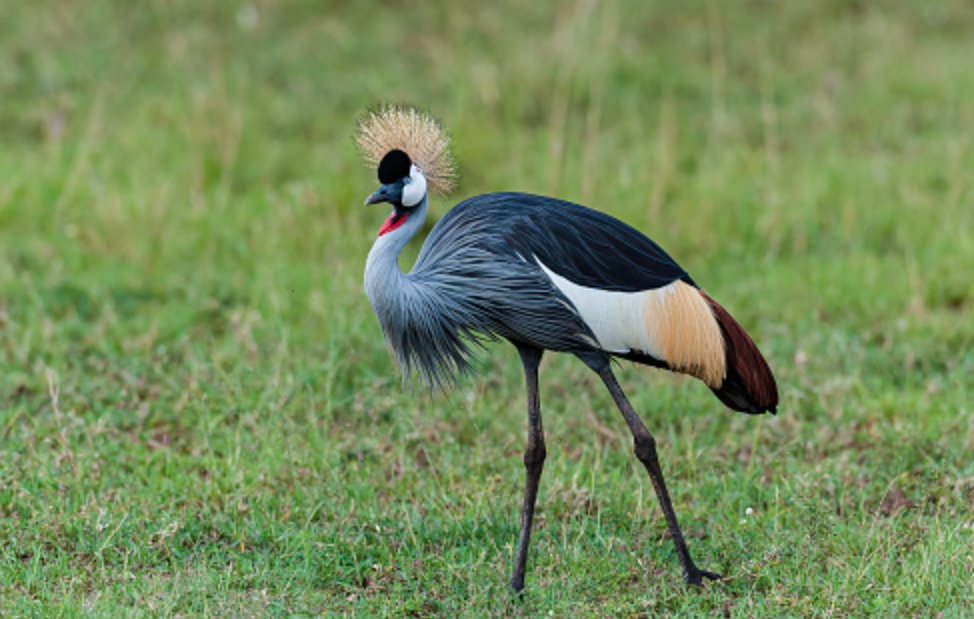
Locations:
(413, 193)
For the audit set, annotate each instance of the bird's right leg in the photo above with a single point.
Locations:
(534, 456)
(645, 448)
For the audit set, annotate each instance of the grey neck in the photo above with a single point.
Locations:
(383, 277)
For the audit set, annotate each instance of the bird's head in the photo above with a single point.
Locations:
(403, 182)
(411, 151)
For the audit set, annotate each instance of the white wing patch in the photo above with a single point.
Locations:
(673, 323)
(616, 318)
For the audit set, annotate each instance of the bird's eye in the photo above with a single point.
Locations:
(406, 180)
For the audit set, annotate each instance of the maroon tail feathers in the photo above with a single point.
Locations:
(749, 386)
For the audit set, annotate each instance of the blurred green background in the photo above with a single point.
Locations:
(198, 416)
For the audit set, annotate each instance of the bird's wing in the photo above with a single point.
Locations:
(587, 247)
(557, 275)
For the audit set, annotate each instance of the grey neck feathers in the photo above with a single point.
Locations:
(399, 300)
(383, 277)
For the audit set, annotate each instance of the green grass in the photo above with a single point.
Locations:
(198, 417)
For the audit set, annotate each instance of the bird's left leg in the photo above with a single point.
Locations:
(645, 448)
(534, 456)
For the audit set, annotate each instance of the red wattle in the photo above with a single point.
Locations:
(391, 225)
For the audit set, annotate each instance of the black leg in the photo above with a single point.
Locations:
(646, 452)
(534, 456)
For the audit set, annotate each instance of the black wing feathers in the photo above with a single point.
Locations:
(585, 246)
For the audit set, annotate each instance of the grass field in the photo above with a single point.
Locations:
(198, 416)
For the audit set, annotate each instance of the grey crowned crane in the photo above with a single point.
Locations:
(543, 274)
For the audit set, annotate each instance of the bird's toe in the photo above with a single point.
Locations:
(697, 576)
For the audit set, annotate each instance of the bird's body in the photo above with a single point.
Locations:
(544, 274)
(550, 274)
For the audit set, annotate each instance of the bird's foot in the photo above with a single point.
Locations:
(695, 576)
(517, 588)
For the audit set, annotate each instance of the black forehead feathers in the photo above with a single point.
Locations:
(394, 166)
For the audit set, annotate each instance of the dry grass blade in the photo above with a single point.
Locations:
(418, 135)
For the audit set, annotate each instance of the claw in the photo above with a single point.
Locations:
(695, 578)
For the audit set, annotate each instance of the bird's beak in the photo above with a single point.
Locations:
(378, 196)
